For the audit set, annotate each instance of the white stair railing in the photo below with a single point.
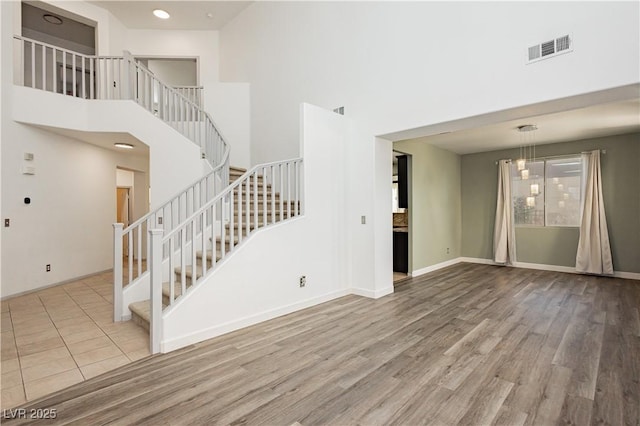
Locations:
(193, 93)
(50, 68)
(265, 195)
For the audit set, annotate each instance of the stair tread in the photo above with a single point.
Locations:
(142, 309)
(209, 254)
(188, 271)
(177, 289)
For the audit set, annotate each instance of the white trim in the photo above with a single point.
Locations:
(478, 260)
(627, 275)
(67, 281)
(218, 330)
(542, 267)
(436, 267)
(373, 294)
(553, 268)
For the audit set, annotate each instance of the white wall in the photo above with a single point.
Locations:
(72, 194)
(228, 104)
(401, 65)
(6, 20)
(73, 190)
(124, 178)
(317, 245)
(193, 44)
(175, 161)
(175, 72)
(404, 65)
(110, 31)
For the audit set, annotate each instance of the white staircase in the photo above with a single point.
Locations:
(174, 249)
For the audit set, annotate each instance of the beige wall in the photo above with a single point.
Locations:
(435, 209)
(554, 245)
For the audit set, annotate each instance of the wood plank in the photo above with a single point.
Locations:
(467, 344)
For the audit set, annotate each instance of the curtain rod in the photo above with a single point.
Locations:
(603, 151)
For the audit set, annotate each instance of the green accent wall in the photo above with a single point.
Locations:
(435, 204)
(557, 245)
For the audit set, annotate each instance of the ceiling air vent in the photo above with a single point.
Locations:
(562, 43)
(549, 49)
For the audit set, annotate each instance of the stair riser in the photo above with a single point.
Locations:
(252, 197)
(235, 176)
(137, 319)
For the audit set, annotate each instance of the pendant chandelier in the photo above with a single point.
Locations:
(527, 156)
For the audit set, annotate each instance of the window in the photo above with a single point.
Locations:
(551, 193)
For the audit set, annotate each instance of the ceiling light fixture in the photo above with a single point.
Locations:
(52, 19)
(162, 14)
(210, 15)
(123, 145)
(525, 145)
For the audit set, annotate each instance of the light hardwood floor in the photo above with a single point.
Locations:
(469, 344)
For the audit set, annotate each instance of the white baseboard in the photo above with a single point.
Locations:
(371, 293)
(435, 267)
(543, 267)
(218, 330)
(627, 275)
(477, 260)
(44, 287)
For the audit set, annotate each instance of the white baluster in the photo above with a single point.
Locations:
(273, 194)
(54, 68)
(155, 325)
(44, 67)
(264, 197)
(117, 271)
(255, 201)
(172, 268)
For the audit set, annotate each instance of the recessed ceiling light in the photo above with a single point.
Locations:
(162, 14)
(210, 15)
(123, 145)
(52, 19)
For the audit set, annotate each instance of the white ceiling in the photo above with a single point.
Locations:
(596, 121)
(105, 140)
(185, 15)
(601, 113)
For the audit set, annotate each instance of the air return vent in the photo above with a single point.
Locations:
(549, 49)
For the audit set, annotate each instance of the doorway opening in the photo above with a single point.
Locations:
(401, 204)
(132, 203)
(124, 210)
(179, 73)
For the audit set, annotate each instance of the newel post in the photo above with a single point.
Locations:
(155, 323)
(117, 271)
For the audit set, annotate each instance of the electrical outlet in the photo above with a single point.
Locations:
(447, 250)
(303, 281)
(7, 222)
(48, 267)
(363, 220)
(160, 220)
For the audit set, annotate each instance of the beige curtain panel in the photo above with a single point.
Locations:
(504, 236)
(594, 251)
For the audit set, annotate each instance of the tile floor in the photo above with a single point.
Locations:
(62, 335)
